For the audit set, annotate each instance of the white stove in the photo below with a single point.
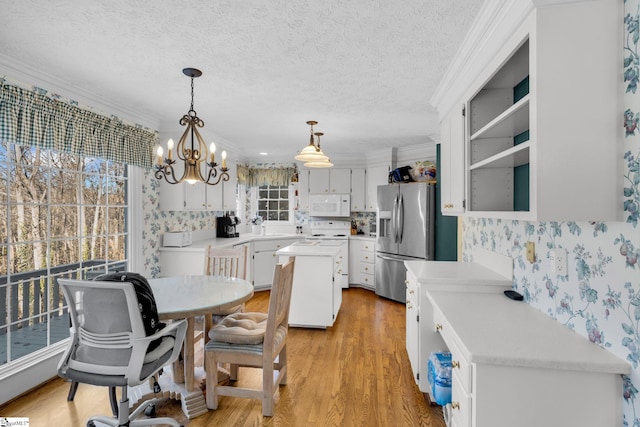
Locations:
(333, 233)
(329, 230)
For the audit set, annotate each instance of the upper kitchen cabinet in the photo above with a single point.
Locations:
(452, 163)
(335, 181)
(376, 175)
(199, 196)
(229, 188)
(542, 112)
(358, 180)
(303, 190)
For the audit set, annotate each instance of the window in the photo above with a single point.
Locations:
(61, 215)
(273, 202)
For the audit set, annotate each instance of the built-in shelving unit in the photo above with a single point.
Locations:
(498, 113)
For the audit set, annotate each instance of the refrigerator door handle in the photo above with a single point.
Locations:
(401, 219)
(397, 258)
(394, 220)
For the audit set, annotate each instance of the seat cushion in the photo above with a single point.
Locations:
(240, 328)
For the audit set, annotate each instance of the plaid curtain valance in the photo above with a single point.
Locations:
(256, 176)
(31, 118)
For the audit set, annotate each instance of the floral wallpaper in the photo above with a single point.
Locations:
(600, 296)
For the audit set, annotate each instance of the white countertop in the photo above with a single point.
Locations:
(456, 272)
(221, 242)
(309, 250)
(366, 237)
(496, 330)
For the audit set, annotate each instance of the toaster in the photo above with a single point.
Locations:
(176, 239)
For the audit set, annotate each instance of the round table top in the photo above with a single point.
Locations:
(185, 296)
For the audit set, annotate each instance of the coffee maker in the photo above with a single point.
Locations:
(226, 226)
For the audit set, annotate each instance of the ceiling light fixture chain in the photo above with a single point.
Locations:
(192, 154)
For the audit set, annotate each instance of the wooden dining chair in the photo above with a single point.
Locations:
(226, 262)
(256, 340)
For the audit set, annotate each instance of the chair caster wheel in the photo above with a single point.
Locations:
(150, 411)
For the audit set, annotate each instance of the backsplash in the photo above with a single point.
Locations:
(600, 297)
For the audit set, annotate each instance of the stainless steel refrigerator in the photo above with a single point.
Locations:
(405, 225)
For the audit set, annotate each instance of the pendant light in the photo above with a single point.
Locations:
(312, 155)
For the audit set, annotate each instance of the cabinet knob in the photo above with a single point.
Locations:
(455, 364)
(366, 269)
(406, 282)
(438, 327)
(411, 292)
(455, 405)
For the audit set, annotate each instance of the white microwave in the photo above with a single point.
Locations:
(329, 205)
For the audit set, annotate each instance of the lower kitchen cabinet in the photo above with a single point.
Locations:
(316, 296)
(264, 259)
(361, 262)
(462, 277)
(524, 369)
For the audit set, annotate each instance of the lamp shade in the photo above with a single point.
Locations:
(319, 163)
(311, 153)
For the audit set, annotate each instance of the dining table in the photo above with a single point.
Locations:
(187, 297)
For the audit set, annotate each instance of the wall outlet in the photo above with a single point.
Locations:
(558, 258)
(531, 252)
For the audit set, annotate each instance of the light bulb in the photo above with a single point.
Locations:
(170, 148)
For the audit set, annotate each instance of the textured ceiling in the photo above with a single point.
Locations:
(364, 69)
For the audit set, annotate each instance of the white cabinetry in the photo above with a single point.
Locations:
(361, 263)
(525, 369)
(263, 255)
(376, 175)
(303, 190)
(524, 158)
(180, 261)
(336, 181)
(358, 190)
(424, 276)
(199, 196)
(452, 163)
(316, 296)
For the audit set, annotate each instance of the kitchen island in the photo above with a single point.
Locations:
(317, 293)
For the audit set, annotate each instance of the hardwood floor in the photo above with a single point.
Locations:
(356, 373)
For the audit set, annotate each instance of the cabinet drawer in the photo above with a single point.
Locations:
(368, 247)
(367, 279)
(459, 366)
(460, 405)
(367, 257)
(366, 267)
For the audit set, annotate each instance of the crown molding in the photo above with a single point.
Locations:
(27, 76)
(493, 26)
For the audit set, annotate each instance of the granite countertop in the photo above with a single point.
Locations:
(496, 330)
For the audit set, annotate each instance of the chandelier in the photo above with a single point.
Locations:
(312, 155)
(192, 150)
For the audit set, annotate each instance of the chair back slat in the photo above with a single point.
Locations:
(279, 300)
(226, 262)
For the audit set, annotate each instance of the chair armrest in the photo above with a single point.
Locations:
(177, 329)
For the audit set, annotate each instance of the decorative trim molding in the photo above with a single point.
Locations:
(30, 76)
(494, 25)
